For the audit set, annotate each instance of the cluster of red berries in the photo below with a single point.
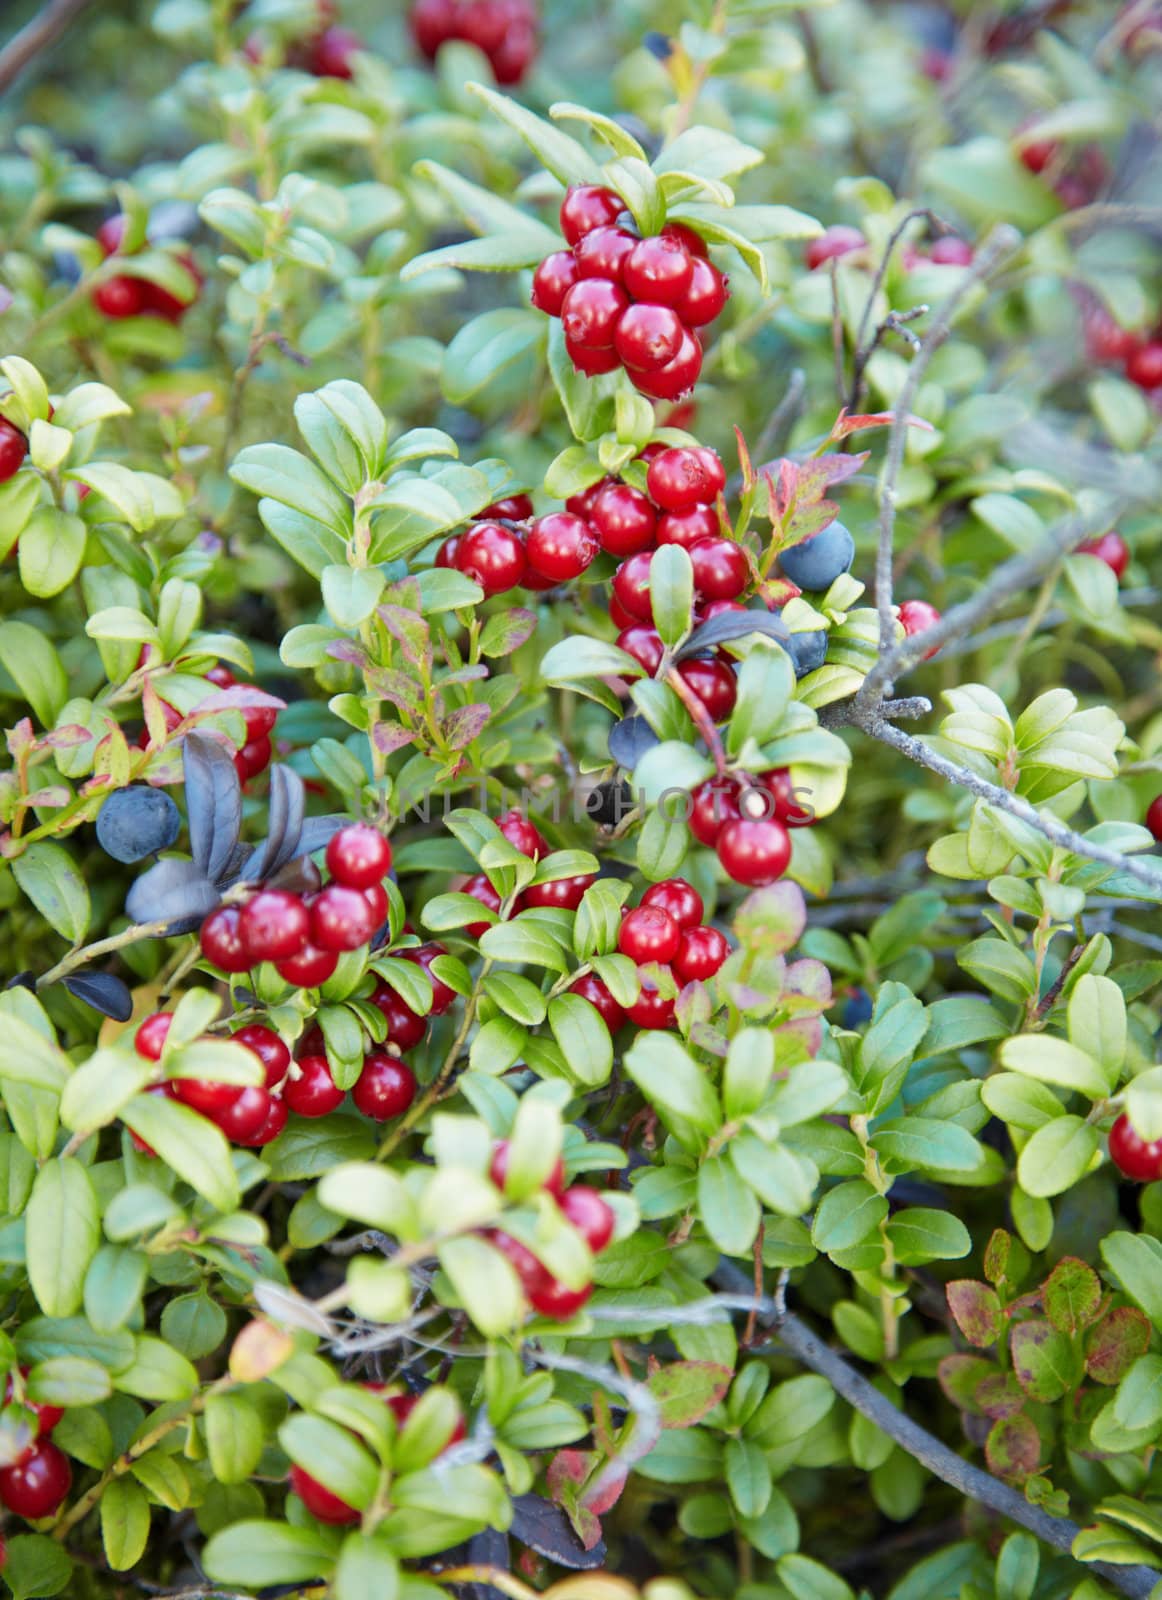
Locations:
(304, 936)
(842, 240)
(745, 821)
(1139, 356)
(506, 547)
(254, 1115)
(326, 52)
(630, 302)
(328, 1507)
(1076, 176)
(503, 30)
(562, 894)
(584, 1208)
(35, 1485)
(13, 449)
(666, 931)
(126, 296)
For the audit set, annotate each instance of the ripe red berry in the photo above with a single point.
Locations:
(591, 988)
(754, 851)
(423, 955)
(553, 1299)
(492, 555)
(314, 1092)
(253, 758)
(269, 1049)
(560, 546)
(788, 808)
(118, 298)
(677, 378)
(715, 685)
(1038, 154)
(591, 362)
(1144, 366)
(309, 968)
(601, 257)
(446, 554)
(276, 1120)
(648, 336)
(513, 56)
(332, 51)
(1109, 547)
(587, 207)
(245, 1117)
(432, 23)
(706, 295)
(1138, 1158)
(149, 1040)
(376, 897)
(211, 1098)
(591, 311)
(554, 1184)
(644, 644)
(160, 303)
(700, 954)
(590, 1215)
(1105, 341)
(273, 925)
(831, 244)
(624, 519)
(649, 933)
(37, 1484)
(514, 507)
(341, 919)
(685, 235)
(47, 1416)
(385, 1088)
(552, 280)
(713, 804)
(566, 894)
(618, 615)
(679, 898)
(1154, 817)
(581, 505)
(684, 477)
(13, 450)
(522, 834)
(258, 720)
(532, 1276)
(405, 1027)
(480, 889)
(222, 942)
(688, 528)
(631, 586)
(320, 1502)
(359, 856)
(916, 616)
(951, 252)
(721, 569)
(658, 270)
(650, 1010)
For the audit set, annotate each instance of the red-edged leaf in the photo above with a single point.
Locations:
(1013, 1448)
(1112, 1347)
(687, 1390)
(977, 1310)
(879, 419)
(748, 472)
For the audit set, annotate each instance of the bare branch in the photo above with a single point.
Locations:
(36, 36)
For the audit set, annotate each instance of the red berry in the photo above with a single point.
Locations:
(269, 1049)
(647, 337)
(715, 685)
(209, 1097)
(554, 1184)
(649, 933)
(552, 281)
(253, 758)
(618, 615)
(446, 554)
(36, 1486)
(754, 851)
(111, 234)
(679, 898)
(13, 450)
(314, 1092)
(492, 555)
(432, 22)
(405, 1027)
(1105, 341)
(532, 1276)
(514, 507)
(47, 1416)
(1144, 366)
(560, 546)
(359, 856)
(721, 569)
(591, 312)
(1038, 154)
(644, 644)
(650, 1010)
(246, 1115)
(700, 954)
(423, 955)
(705, 296)
(590, 1215)
(222, 943)
(952, 252)
(522, 834)
(713, 804)
(624, 519)
(831, 244)
(591, 988)
(631, 586)
(658, 270)
(688, 528)
(512, 57)
(309, 968)
(320, 1502)
(591, 362)
(581, 505)
(587, 207)
(276, 1120)
(273, 925)
(566, 894)
(376, 897)
(118, 298)
(554, 1300)
(601, 258)
(259, 720)
(1110, 548)
(161, 303)
(685, 235)
(385, 1088)
(331, 53)
(480, 889)
(682, 478)
(149, 1040)
(787, 807)
(1154, 817)
(1137, 1158)
(341, 919)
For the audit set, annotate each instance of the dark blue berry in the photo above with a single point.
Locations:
(807, 651)
(857, 1009)
(817, 562)
(137, 822)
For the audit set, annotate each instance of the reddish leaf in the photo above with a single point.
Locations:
(1000, 1395)
(388, 737)
(1112, 1347)
(977, 1310)
(241, 696)
(465, 724)
(1071, 1295)
(817, 476)
(961, 1377)
(878, 419)
(748, 472)
(687, 1390)
(1013, 1448)
(1043, 1360)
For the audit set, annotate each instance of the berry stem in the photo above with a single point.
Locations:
(701, 717)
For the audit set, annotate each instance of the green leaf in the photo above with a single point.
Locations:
(28, 1057)
(1055, 1061)
(114, 1284)
(1135, 1260)
(708, 152)
(927, 1144)
(1097, 1023)
(193, 1147)
(728, 1209)
(365, 1568)
(750, 1065)
(583, 1039)
(671, 592)
(97, 1092)
(69, 1381)
(847, 1215)
(124, 1523)
(51, 548)
(34, 666)
(235, 1436)
(278, 473)
(748, 1477)
(581, 657)
(157, 1372)
(63, 1230)
(919, 1235)
(525, 942)
(673, 1083)
(259, 1554)
(352, 594)
(485, 1284)
(567, 160)
(1057, 1156)
(36, 1566)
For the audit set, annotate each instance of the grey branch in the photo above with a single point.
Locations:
(37, 35)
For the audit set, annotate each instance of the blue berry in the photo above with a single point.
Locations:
(807, 651)
(857, 1009)
(817, 562)
(137, 822)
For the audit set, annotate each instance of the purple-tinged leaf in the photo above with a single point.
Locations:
(977, 1311)
(733, 625)
(175, 892)
(213, 803)
(465, 724)
(1044, 1360)
(1071, 1295)
(104, 991)
(546, 1529)
(629, 740)
(1013, 1448)
(687, 1390)
(1115, 1343)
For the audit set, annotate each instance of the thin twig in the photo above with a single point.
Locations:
(35, 37)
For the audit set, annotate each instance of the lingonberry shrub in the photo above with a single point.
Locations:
(577, 849)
